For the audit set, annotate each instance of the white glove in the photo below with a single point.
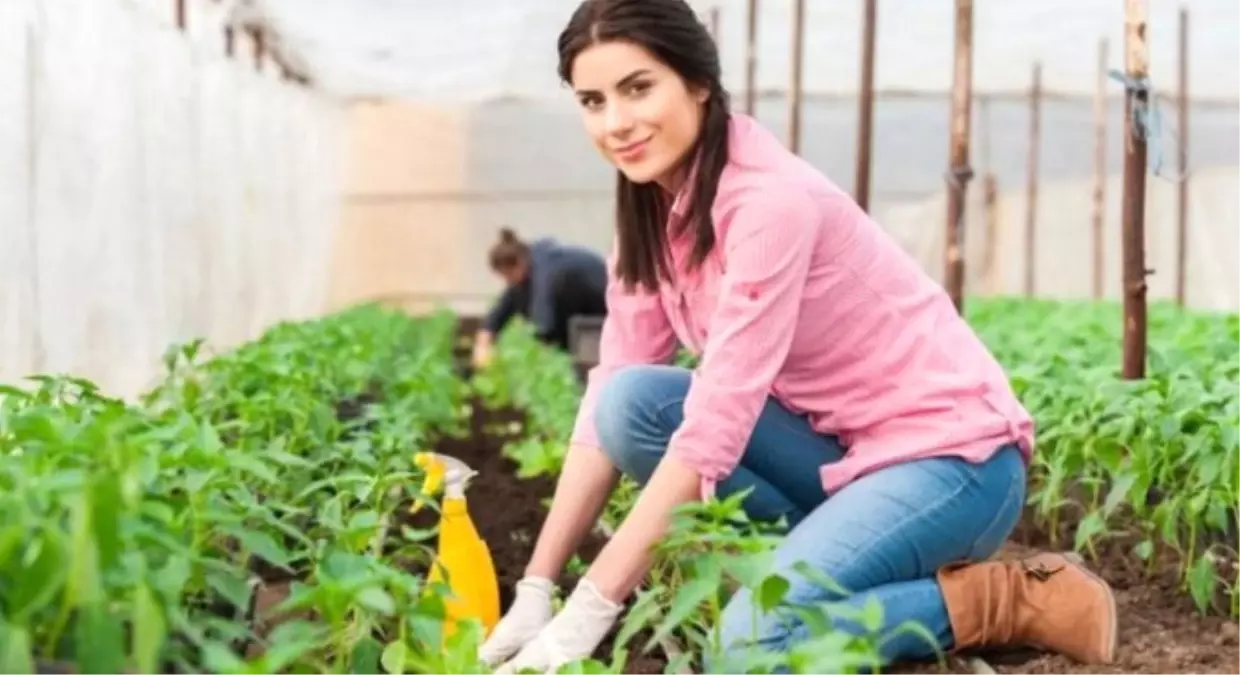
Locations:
(531, 610)
(572, 635)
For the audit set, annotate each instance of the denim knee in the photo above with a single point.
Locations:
(626, 419)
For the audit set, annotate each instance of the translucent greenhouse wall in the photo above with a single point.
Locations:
(151, 190)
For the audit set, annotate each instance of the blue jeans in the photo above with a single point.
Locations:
(882, 536)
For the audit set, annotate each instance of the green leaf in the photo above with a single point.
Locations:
(394, 657)
(42, 574)
(685, 604)
(99, 639)
(149, 630)
(15, 649)
(264, 546)
(366, 655)
(235, 589)
(290, 641)
(376, 600)
(772, 592)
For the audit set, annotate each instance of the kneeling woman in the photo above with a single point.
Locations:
(836, 380)
(547, 283)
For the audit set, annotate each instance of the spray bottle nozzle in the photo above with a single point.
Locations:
(445, 470)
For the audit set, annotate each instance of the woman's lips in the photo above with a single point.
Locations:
(632, 151)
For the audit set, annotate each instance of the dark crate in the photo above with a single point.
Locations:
(584, 333)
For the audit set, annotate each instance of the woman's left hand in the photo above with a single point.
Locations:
(572, 635)
(576, 632)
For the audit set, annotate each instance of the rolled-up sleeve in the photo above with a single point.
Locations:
(635, 331)
(767, 244)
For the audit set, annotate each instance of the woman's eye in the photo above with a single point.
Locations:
(638, 88)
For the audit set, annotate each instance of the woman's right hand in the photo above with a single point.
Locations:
(482, 350)
(580, 493)
(531, 610)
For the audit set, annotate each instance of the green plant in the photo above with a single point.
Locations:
(135, 535)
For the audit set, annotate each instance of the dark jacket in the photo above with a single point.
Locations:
(563, 281)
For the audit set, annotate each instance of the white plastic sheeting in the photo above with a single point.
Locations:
(487, 49)
(1064, 258)
(151, 192)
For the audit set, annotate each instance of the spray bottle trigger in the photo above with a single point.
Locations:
(434, 477)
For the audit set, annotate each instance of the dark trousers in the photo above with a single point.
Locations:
(574, 294)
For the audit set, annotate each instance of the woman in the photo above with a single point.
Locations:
(547, 282)
(836, 380)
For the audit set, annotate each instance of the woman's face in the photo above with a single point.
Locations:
(513, 274)
(638, 112)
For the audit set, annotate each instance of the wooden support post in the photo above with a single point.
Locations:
(990, 200)
(751, 58)
(1100, 171)
(1031, 207)
(959, 173)
(1181, 215)
(260, 49)
(714, 23)
(865, 107)
(180, 13)
(798, 61)
(230, 41)
(1136, 103)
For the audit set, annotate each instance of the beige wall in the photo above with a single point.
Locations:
(400, 236)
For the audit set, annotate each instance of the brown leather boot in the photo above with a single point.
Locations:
(1048, 601)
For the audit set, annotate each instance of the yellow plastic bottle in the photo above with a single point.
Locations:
(461, 551)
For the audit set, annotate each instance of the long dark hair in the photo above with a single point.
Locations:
(670, 31)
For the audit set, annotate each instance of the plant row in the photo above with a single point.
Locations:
(137, 536)
(1152, 465)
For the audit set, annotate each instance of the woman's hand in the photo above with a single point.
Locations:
(482, 348)
(580, 493)
(531, 611)
(595, 605)
(572, 635)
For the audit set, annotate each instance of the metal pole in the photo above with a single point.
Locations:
(714, 23)
(865, 111)
(751, 58)
(1031, 212)
(1136, 101)
(798, 59)
(1181, 240)
(179, 11)
(1100, 170)
(959, 173)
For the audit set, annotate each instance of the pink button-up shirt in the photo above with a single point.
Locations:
(808, 300)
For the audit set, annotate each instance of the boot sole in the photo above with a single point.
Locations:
(1112, 627)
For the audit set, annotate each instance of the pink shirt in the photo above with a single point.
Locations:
(808, 300)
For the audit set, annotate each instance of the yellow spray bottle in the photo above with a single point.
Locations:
(462, 553)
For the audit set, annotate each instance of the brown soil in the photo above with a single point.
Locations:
(1160, 630)
(508, 512)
